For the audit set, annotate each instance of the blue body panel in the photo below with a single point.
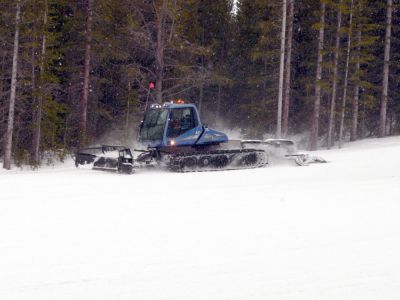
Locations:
(200, 135)
(188, 138)
(211, 136)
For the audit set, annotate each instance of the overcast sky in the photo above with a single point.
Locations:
(234, 6)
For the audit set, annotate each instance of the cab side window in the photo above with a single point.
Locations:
(180, 121)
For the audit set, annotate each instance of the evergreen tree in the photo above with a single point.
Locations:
(10, 127)
(317, 101)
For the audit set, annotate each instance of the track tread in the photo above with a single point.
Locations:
(235, 160)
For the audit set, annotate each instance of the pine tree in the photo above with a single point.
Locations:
(335, 77)
(346, 75)
(288, 71)
(39, 106)
(356, 97)
(10, 127)
(255, 67)
(383, 111)
(317, 102)
(83, 102)
(281, 70)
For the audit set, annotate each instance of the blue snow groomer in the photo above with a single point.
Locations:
(174, 136)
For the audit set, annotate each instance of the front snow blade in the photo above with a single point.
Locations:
(109, 158)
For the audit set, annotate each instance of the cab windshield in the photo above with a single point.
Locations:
(153, 124)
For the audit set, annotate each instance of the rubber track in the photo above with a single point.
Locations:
(236, 160)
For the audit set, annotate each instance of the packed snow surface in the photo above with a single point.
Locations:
(326, 231)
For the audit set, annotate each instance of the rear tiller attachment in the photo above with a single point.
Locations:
(282, 148)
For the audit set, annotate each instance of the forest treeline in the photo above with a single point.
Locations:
(72, 71)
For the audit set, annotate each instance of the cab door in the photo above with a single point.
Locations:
(183, 127)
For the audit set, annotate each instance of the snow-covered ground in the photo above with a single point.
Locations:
(327, 231)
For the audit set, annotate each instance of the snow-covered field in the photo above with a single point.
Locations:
(327, 231)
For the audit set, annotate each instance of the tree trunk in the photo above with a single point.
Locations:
(38, 125)
(2, 107)
(335, 78)
(33, 82)
(201, 87)
(10, 125)
(317, 102)
(160, 55)
(385, 87)
(127, 111)
(281, 71)
(83, 101)
(286, 98)
(219, 102)
(354, 119)
(346, 76)
(201, 96)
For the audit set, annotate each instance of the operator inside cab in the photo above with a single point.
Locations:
(180, 121)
